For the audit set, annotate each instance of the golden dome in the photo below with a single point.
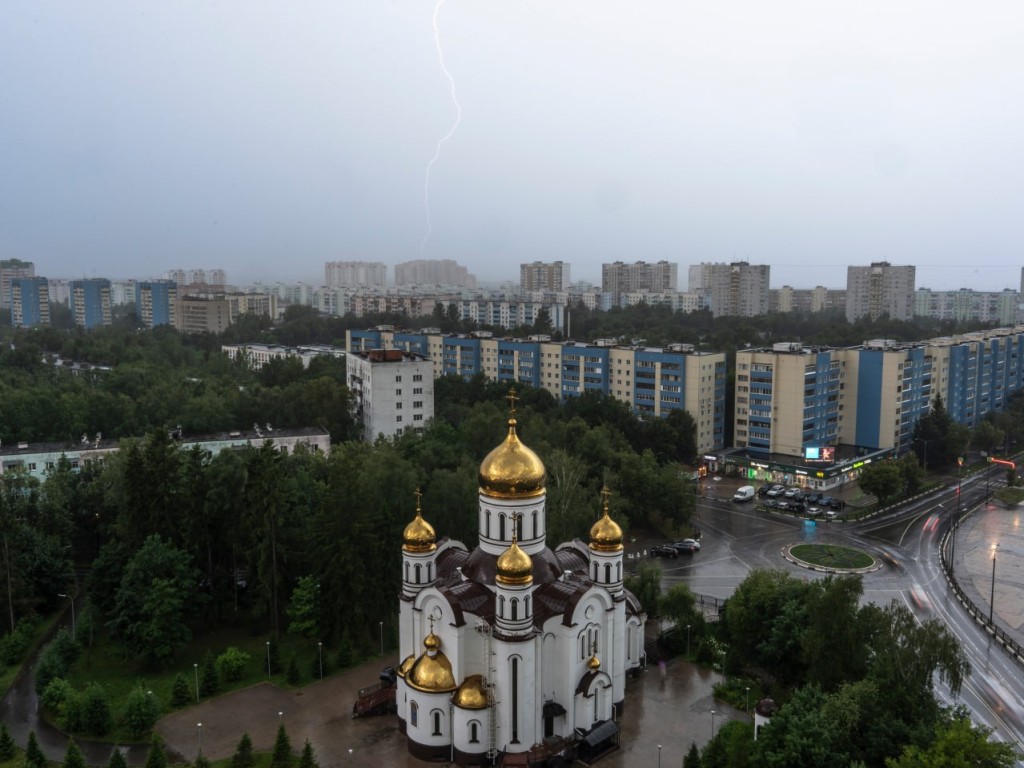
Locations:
(419, 535)
(512, 471)
(514, 565)
(432, 672)
(605, 534)
(594, 663)
(471, 694)
(406, 665)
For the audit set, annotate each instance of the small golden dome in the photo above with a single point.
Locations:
(471, 694)
(512, 471)
(419, 535)
(594, 663)
(605, 534)
(406, 665)
(432, 672)
(514, 565)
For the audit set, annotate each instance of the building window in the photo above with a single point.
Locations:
(417, 403)
(417, 417)
(437, 722)
(398, 406)
(417, 390)
(398, 377)
(398, 393)
(417, 377)
(398, 419)
(474, 732)
(413, 713)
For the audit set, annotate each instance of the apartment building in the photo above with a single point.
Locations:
(619, 278)
(652, 380)
(736, 289)
(433, 272)
(156, 302)
(393, 391)
(90, 302)
(10, 270)
(880, 289)
(30, 301)
(966, 305)
(544, 276)
(203, 314)
(259, 355)
(355, 274)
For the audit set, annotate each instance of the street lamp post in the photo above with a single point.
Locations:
(687, 642)
(956, 518)
(200, 727)
(746, 701)
(712, 723)
(382, 638)
(195, 668)
(320, 647)
(268, 659)
(992, 597)
(280, 718)
(74, 635)
(659, 756)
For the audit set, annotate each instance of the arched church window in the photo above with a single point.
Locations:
(419, 570)
(437, 722)
(618, 571)
(406, 571)
(414, 711)
(515, 609)
(474, 732)
(607, 572)
(595, 571)
(526, 606)
(487, 525)
(536, 532)
(519, 527)
(501, 527)
(501, 606)
(430, 571)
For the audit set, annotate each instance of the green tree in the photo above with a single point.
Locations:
(232, 663)
(73, 757)
(209, 680)
(646, 586)
(304, 608)
(157, 756)
(281, 757)
(692, 758)
(835, 641)
(801, 734)
(154, 601)
(96, 715)
(882, 479)
(243, 757)
(292, 671)
(181, 693)
(34, 757)
(958, 744)
(141, 711)
(987, 436)
(201, 762)
(117, 759)
(308, 757)
(7, 746)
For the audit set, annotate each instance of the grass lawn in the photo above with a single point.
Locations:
(832, 556)
(1010, 495)
(106, 664)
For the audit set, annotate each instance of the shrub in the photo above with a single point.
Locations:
(14, 646)
(141, 711)
(55, 694)
(282, 754)
(96, 717)
(7, 745)
(56, 659)
(231, 664)
(181, 693)
(243, 757)
(210, 682)
(34, 757)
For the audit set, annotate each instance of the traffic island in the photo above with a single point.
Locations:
(831, 558)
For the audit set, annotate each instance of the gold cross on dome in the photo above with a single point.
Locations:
(605, 495)
(512, 400)
(419, 495)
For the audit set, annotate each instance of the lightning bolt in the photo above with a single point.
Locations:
(451, 131)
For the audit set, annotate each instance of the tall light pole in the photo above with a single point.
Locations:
(712, 723)
(992, 597)
(195, 668)
(382, 638)
(200, 727)
(268, 659)
(73, 633)
(320, 647)
(659, 756)
(687, 642)
(280, 718)
(956, 518)
(746, 701)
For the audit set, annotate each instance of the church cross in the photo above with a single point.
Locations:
(512, 400)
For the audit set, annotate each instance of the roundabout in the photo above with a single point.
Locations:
(831, 558)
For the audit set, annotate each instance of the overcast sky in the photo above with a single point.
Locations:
(268, 138)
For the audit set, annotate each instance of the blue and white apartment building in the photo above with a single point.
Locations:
(815, 415)
(652, 380)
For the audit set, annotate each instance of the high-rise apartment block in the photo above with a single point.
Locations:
(203, 314)
(355, 274)
(433, 272)
(737, 289)
(544, 276)
(156, 302)
(619, 278)
(11, 269)
(880, 289)
(653, 381)
(965, 305)
(30, 301)
(392, 391)
(90, 302)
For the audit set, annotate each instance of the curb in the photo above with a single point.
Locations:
(786, 554)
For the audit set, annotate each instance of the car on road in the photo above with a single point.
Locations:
(695, 542)
(685, 547)
(664, 550)
(763, 490)
(812, 512)
(831, 514)
(790, 493)
(775, 491)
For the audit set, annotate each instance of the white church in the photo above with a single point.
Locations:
(512, 645)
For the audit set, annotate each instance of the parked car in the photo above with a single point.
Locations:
(831, 514)
(790, 493)
(746, 493)
(800, 496)
(836, 504)
(775, 491)
(824, 500)
(763, 490)
(685, 547)
(782, 506)
(812, 511)
(664, 550)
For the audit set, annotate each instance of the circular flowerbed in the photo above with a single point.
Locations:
(832, 556)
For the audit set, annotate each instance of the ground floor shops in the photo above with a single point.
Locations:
(757, 468)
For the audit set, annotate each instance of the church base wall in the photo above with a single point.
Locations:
(429, 753)
(472, 758)
(618, 708)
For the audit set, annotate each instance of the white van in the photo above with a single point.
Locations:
(746, 493)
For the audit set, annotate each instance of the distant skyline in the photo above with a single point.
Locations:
(268, 139)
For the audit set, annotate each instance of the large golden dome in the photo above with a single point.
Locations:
(419, 535)
(406, 665)
(471, 694)
(512, 471)
(514, 566)
(432, 672)
(605, 534)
